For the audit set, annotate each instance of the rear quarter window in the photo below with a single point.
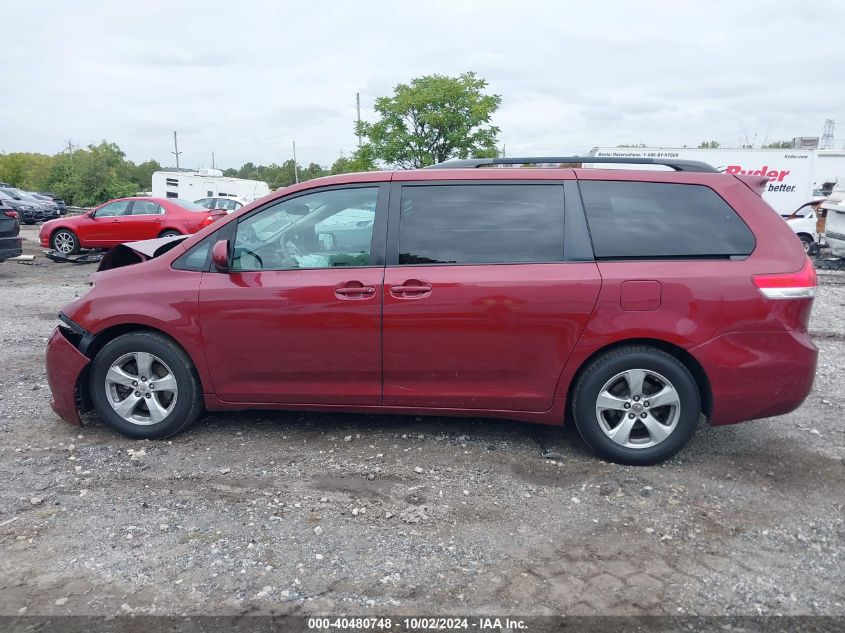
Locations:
(630, 220)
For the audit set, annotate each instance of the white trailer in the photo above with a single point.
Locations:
(205, 183)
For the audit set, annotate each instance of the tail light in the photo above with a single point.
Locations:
(798, 285)
(209, 219)
(11, 214)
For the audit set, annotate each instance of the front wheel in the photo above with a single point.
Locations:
(65, 242)
(145, 386)
(636, 405)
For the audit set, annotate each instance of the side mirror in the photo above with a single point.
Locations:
(220, 256)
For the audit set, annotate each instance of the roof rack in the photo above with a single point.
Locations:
(676, 164)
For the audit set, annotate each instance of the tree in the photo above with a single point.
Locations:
(142, 175)
(362, 160)
(433, 119)
(709, 145)
(778, 145)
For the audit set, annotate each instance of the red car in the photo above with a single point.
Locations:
(629, 302)
(126, 220)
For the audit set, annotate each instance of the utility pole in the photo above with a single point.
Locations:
(213, 166)
(295, 170)
(176, 151)
(358, 108)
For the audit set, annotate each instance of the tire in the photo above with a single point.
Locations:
(807, 241)
(169, 233)
(65, 242)
(603, 423)
(175, 409)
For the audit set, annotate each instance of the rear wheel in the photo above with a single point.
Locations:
(65, 242)
(145, 386)
(636, 405)
(169, 233)
(807, 241)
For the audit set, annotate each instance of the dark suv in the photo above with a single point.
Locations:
(10, 242)
(630, 302)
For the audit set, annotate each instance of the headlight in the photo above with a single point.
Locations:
(26, 208)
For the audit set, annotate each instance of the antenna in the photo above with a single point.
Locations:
(827, 134)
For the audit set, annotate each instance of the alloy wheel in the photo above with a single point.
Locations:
(64, 242)
(141, 388)
(638, 408)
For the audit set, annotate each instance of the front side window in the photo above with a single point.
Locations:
(481, 224)
(662, 220)
(198, 257)
(113, 209)
(324, 229)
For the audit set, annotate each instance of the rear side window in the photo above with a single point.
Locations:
(662, 220)
(481, 224)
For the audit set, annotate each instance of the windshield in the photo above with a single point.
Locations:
(10, 194)
(187, 204)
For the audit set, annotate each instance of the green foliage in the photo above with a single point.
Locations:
(432, 119)
(709, 145)
(778, 145)
(83, 177)
(362, 160)
(277, 175)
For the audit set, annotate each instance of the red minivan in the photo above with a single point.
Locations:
(629, 301)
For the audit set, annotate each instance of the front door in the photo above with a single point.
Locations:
(105, 224)
(480, 309)
(298, 317)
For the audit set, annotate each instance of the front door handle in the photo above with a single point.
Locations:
(354, 290)
(411, 289)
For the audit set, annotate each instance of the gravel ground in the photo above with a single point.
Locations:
(330, 513)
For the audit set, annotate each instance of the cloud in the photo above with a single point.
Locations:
(246, 79)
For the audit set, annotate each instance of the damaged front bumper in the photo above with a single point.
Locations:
(66, 364)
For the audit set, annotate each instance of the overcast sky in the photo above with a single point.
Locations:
(244, 79)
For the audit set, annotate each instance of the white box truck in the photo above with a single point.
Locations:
(205, 183)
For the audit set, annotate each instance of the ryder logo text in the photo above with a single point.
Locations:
(773, 175)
